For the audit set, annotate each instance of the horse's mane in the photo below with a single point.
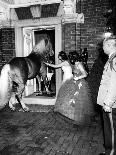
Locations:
(36, 51)
(45, 38)
(35, 57)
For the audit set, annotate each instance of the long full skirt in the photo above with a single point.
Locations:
(74, 101)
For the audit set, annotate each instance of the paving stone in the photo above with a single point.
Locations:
(47, 133)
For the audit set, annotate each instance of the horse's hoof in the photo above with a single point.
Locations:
(26, 109)
(13, 108)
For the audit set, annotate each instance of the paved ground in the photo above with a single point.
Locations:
(46, 133)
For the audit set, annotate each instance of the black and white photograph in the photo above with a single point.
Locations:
(57, 77)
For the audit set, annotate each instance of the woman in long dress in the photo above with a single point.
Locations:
(73, 99)
(83, 106)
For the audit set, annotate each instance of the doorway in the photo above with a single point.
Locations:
(25, 40)
(51, 79)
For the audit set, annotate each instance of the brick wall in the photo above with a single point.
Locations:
(7, 46)
(94, 26)
(89, 34)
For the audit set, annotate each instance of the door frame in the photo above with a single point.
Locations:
(19, 41)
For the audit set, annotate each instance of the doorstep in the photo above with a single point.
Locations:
(39, 99)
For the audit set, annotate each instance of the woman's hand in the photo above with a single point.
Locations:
(46, 63)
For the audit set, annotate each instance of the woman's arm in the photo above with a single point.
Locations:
(55, 66)
(83, 72)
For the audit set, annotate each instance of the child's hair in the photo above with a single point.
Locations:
(63, 55)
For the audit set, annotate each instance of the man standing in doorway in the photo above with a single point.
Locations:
(107, 96)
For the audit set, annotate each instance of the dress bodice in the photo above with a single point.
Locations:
(67, 72)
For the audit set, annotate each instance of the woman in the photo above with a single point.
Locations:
(83, 107)
(69, 101)
(64, 65)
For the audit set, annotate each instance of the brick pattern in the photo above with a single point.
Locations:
(69, 37)
(7, 46)
(89, 34)
(39, 133)
(94, 26)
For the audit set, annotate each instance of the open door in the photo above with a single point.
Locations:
(31, 38)
(51, 76)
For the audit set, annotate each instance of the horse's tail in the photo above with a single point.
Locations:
(4, 85)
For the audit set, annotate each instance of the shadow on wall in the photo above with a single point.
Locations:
(95, 75)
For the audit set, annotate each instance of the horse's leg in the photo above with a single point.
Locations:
(20, 90)
(39, 82)
(12, 101)
(46, 83)
(43, 72)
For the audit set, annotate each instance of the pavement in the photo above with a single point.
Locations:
(43, 132)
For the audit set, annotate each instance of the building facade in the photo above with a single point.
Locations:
(72, 25)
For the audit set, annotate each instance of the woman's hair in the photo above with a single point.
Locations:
(73, 57)
(63, 55)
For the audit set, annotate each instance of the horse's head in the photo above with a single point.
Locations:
(44, 50)
(44, 47)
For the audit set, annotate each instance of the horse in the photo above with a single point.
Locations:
(18, 70)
